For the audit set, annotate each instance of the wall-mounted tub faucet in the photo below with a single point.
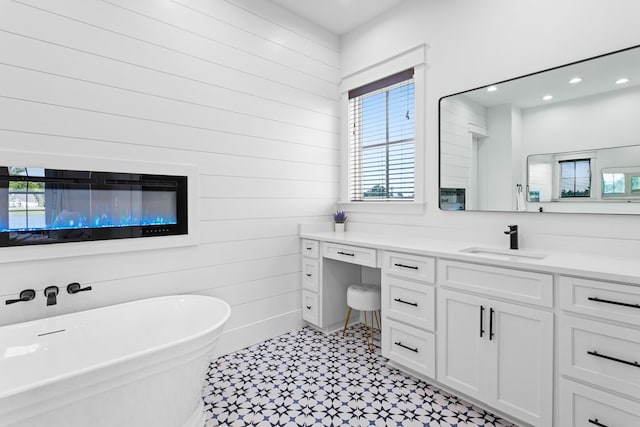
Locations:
(74, 288)
(513, 234)
(26, 295)
(51, 292)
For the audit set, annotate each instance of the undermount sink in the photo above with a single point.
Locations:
(504, 253)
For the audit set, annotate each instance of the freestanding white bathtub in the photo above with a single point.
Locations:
(137, 364)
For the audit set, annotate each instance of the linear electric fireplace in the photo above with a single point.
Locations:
(41, 206)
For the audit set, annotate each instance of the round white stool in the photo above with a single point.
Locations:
(366, 298)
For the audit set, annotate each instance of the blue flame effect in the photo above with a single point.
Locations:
(73, 221)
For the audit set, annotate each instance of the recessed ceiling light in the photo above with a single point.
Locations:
(547, 97)
(575, 80)
(622, 81)
(492, 88)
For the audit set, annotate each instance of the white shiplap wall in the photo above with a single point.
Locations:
(242, 90)
(459, 116)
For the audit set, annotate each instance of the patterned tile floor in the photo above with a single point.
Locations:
(306, 378)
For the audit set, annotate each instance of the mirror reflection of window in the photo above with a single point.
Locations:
(26, 199)
(621, 183)
(575, 178)
(613, 183)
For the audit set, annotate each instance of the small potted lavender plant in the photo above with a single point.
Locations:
(339, 218)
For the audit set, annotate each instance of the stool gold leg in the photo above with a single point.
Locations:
(369, 331)
(346, 322)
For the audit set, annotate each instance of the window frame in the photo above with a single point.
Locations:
(560, 178)
(387, 144)
(412, 58)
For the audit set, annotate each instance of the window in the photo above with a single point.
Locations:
(382, 139)
(575, 178)
(622, 183)
(613, 184)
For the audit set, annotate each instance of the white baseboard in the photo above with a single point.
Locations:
(254, 333)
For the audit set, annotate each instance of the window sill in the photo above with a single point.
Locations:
(401, 208)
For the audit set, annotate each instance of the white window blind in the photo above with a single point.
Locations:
(382, 139)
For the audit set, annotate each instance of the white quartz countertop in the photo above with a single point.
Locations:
(620, 269)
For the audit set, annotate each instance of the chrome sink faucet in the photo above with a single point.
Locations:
(513, 234)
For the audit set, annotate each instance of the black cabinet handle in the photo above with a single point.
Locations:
(308, 274)
(308, 307)
(399, 344)
(595, 421)
(415, 304)
(481, 321)
(615, 359)
(345, 253)
(491, 334)
(309, 249)
(413, 267)
(606, 301)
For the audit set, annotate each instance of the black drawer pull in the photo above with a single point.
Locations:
(413, 267)
(491, 334)
(415, 304)
(615, 359)
(481, 321)
(606, 301)
(309, 249)
(308, 274)
(345, 253)
(398, 343)
(597, 423)
(308, 307)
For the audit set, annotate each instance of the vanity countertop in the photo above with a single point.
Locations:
(609, 268)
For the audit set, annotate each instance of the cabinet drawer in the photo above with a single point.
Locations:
(600, 353)
(582, 406)
(409, 302)
(409, 346)
(516, 285)
(310, 277)
(352, 254)
(310, 311)
(409, 266)
(607, 300)
(310, 248)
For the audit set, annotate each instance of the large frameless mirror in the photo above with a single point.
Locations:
(561, 140)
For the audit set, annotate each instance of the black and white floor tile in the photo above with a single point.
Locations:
(306, 378)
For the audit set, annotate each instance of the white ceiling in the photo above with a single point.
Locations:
(599, 76)
(338, 16)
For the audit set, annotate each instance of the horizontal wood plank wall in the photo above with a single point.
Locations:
(244, 90)
(456, 157)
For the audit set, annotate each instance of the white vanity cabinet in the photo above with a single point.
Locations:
(311, 281)
(500, 352)
(408, 311)
(599, 336)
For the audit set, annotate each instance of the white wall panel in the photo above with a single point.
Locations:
(245, 92)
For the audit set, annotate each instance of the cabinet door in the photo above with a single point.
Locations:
(520, 347)
(460, 361)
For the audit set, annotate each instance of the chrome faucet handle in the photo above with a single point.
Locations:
(74, 288)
